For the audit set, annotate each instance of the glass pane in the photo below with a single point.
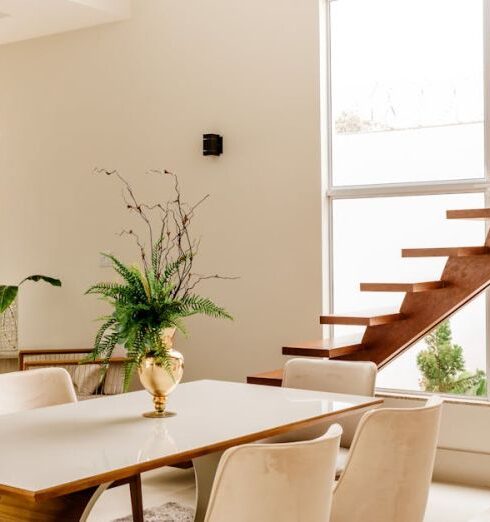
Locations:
(368, 235)
(436, 364)
(407, 90)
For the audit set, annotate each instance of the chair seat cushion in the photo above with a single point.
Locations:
(341, 460)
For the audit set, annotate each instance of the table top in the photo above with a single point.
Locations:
(57, 450)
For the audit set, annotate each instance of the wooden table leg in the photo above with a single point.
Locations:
(74, 507)
(136, 498)
(204, 471)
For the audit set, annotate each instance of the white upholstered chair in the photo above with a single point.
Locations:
(289, 482)
(26, 390)
(349, 377)
(389, 467)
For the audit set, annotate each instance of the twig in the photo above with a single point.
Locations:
(173, 236)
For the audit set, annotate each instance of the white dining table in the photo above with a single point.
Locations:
(57, 461)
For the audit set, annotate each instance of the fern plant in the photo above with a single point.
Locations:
(158, 295)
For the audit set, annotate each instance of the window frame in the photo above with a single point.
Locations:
(333, 192)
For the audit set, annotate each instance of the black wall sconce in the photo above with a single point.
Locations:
(212, 145)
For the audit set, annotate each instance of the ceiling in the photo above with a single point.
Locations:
(25, 19)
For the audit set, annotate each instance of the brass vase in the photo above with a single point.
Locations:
(161, 380)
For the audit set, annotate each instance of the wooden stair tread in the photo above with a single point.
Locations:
(446, 251)
(368, 318)
(402, 287)
(469, 213)
(270, 378)
(332, 348)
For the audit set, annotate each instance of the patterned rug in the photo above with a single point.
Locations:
(169, 512)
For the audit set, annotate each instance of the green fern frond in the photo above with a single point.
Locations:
(156, 255)
(195, 304)
(132, 277)
(104, 287)
(129, 368)
(172, 268)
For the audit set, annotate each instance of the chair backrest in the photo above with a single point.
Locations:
(290, 482)
(350, 377)
(388, 472)
(26, 390)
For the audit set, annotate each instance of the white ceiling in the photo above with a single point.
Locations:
(24, 19)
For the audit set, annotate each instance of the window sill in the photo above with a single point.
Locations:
(421, 396)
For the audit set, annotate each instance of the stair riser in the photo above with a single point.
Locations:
(264, 381)
(361, 321)
(474, 213)
(446, 252)
(315, 352)
(402, 287)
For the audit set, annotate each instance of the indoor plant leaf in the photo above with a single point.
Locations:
(7, 296)
(46, 279)
(8, 293)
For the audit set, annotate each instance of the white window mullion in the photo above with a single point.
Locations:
(486, 141)
(326, 123)
(409, 189)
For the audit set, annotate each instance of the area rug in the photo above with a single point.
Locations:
(169, 512)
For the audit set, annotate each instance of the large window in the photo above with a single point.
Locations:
(405, 141)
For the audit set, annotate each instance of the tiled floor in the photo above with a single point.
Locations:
(447, 502)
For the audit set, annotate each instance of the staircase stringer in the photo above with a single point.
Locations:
(464, 278)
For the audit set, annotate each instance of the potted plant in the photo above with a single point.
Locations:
(151, 300)
(8, 309)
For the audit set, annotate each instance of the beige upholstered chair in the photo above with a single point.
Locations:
(349, 377)
(389, 467)
(289, 482)
(35, 389)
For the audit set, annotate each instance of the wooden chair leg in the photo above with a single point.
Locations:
(136, 498)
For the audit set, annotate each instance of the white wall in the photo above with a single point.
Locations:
(139, 94)
(20, 20)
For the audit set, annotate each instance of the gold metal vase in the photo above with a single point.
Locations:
(160, 380)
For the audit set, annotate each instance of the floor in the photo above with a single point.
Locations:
(159, 486)
(454, 503)
(447, 502)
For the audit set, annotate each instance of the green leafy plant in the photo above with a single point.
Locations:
(443, 366)
(160, 293)
(8, 293)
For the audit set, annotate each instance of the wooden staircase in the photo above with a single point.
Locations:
(425, 305)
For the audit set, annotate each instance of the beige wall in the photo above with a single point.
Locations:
(139, 94)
